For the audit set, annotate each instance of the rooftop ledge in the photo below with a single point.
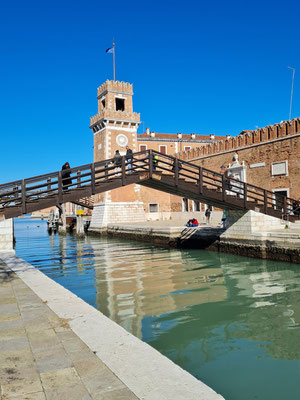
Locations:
(120, 115)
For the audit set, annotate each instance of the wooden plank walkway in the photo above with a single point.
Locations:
(149, 168)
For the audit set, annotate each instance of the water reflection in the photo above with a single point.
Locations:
(216, 315)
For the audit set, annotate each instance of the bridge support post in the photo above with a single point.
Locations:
(63, 220)
(6, 234)
(241, 224)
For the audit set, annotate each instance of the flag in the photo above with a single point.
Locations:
(110, 50)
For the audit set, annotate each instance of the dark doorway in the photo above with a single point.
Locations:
(279, 199)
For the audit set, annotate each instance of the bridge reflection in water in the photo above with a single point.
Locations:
(231, 321)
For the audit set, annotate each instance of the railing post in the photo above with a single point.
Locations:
(245, 195)
(106, 171)
(123, 171)
(284, 206)
(150, 163)
(23, 197)
(93, 178)
(265, 202)
(176, 171)
(78, 179)
(200, 180)
(223, 188)
(48, 183)
(60, 188)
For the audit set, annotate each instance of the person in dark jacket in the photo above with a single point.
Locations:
(129, 158)
(117, 161)
(65, 174)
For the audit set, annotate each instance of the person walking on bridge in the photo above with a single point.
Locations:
(129, 158)
(65, 174)
(117, 161)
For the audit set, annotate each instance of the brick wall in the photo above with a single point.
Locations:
(265, 146)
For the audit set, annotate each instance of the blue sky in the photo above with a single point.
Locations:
(205, 67)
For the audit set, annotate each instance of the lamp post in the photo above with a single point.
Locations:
(293, 69)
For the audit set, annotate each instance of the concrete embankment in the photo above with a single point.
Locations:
(173, 236)
(280, 245)
(57, 346)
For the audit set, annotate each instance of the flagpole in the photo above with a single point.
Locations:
(291, 102)
(114, 60)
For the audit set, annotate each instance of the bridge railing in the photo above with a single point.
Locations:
(54, 185)
(263, 199)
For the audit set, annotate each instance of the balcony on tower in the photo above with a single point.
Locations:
(114, 106)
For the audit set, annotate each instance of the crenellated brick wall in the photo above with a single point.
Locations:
(259, 150)
(244, 139)
(115, 86)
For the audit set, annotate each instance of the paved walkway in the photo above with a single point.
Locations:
(41, 357)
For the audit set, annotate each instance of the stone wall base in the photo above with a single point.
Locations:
(7, 235)
(278, 250)
(116, 212)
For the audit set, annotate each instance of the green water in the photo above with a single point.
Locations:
(232, 322)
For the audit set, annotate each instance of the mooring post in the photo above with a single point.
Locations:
(79, 223)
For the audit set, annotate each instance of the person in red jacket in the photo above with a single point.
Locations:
(192, 222)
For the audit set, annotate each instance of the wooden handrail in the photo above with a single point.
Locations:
(90, 177)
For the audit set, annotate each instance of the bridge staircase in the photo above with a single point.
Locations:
(148, 168)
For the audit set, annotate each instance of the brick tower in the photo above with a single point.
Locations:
(115, 127)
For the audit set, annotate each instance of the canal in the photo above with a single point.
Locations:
(230, 321)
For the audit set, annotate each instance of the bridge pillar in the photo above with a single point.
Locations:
(6, 234)
(116, 212)
(242, 224)
(62, 228)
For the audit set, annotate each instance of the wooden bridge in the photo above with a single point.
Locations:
(149, 168)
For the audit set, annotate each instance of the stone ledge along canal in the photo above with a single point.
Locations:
(230, 321)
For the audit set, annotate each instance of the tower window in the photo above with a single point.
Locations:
(120, 104)
(103, 103)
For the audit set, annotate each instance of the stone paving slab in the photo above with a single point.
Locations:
(41, 358)
(74, 352)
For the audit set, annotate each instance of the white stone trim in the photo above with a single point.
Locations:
(285, 162)
(257, 165)
(116, 128)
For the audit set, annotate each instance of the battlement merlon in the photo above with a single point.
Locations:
(115, 86)
(122, 116)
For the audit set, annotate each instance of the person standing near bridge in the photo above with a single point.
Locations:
(207, 214)
(65, 174)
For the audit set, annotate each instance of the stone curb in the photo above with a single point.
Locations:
(146, 372)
